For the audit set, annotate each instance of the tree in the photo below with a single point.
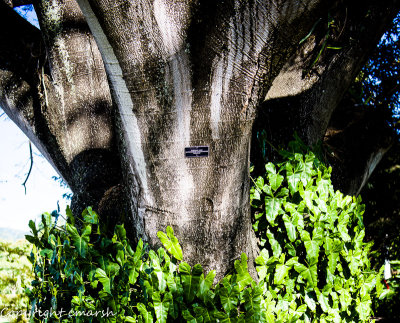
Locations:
(113, 92)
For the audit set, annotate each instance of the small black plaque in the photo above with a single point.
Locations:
(196, 151)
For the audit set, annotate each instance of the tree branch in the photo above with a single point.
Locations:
(21, 53)
(305, 102)
(17, 3)
(30, 167)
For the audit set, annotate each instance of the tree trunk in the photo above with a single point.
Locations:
(182, 75)
(186, 75)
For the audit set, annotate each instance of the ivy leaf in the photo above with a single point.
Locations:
(363, 308)
(260, 183)
(252, 300)
(190, 279)
(275, 246)
(171, 243)
(243, 277)
(290, 228)
(104, 280)
(323, 302)
(309, 273)
(157, 271)
(270, 168)
(261, 261)
(272, 208)
(332, 261)
(310, 301)
(312, 249)
(120, 232)
(161, 307)
(275, 180)
(80, 242)
(345, 299)
(292, 178)
(205, 285)
(90, 216)
(229, 299)
(280, 273)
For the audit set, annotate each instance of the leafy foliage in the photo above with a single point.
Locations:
(84, 276)
(15, 276)
(314, 264)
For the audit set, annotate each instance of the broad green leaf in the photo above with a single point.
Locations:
(305, 236)
(261, 261)
(33, 228)
(280, 274)
(120, 257)
(260, 183)
(104, 280)
(161, 306)
(80, 242)
(133, 271)
(46, 253)
(309, 273)
(332, 261)
(364, 308)
(243, 277)
(323, 302)
(253, 298)
(292, 178)
(202, 314)
(275, 180)
(120, 232)
(190, 279)
(275, 246)
(310, 301)
(229, 299)
(345, 298)
(171, 243)
(290, 228)
(270, 168)
(312, 249)
(272, 208)
(188, 316)
(205, 285)
(157, 271)
(90, 216)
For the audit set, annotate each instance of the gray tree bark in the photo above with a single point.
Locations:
(181, 74)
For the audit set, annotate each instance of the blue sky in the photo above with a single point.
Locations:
(42, 192)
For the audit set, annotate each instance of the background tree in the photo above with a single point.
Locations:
(182, 74)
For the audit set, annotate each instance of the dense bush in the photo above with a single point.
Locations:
(313, 265)
(15, 276)
(81, 273)
(313, 255)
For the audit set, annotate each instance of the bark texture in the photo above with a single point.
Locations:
(311, 85)
(181, 74)
(81, 121)
(192, 74)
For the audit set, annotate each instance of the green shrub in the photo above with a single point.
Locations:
(313, 259)
(15, 276)
(313, 265)
(80, 273)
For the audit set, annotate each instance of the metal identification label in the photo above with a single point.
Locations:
(196, 151)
